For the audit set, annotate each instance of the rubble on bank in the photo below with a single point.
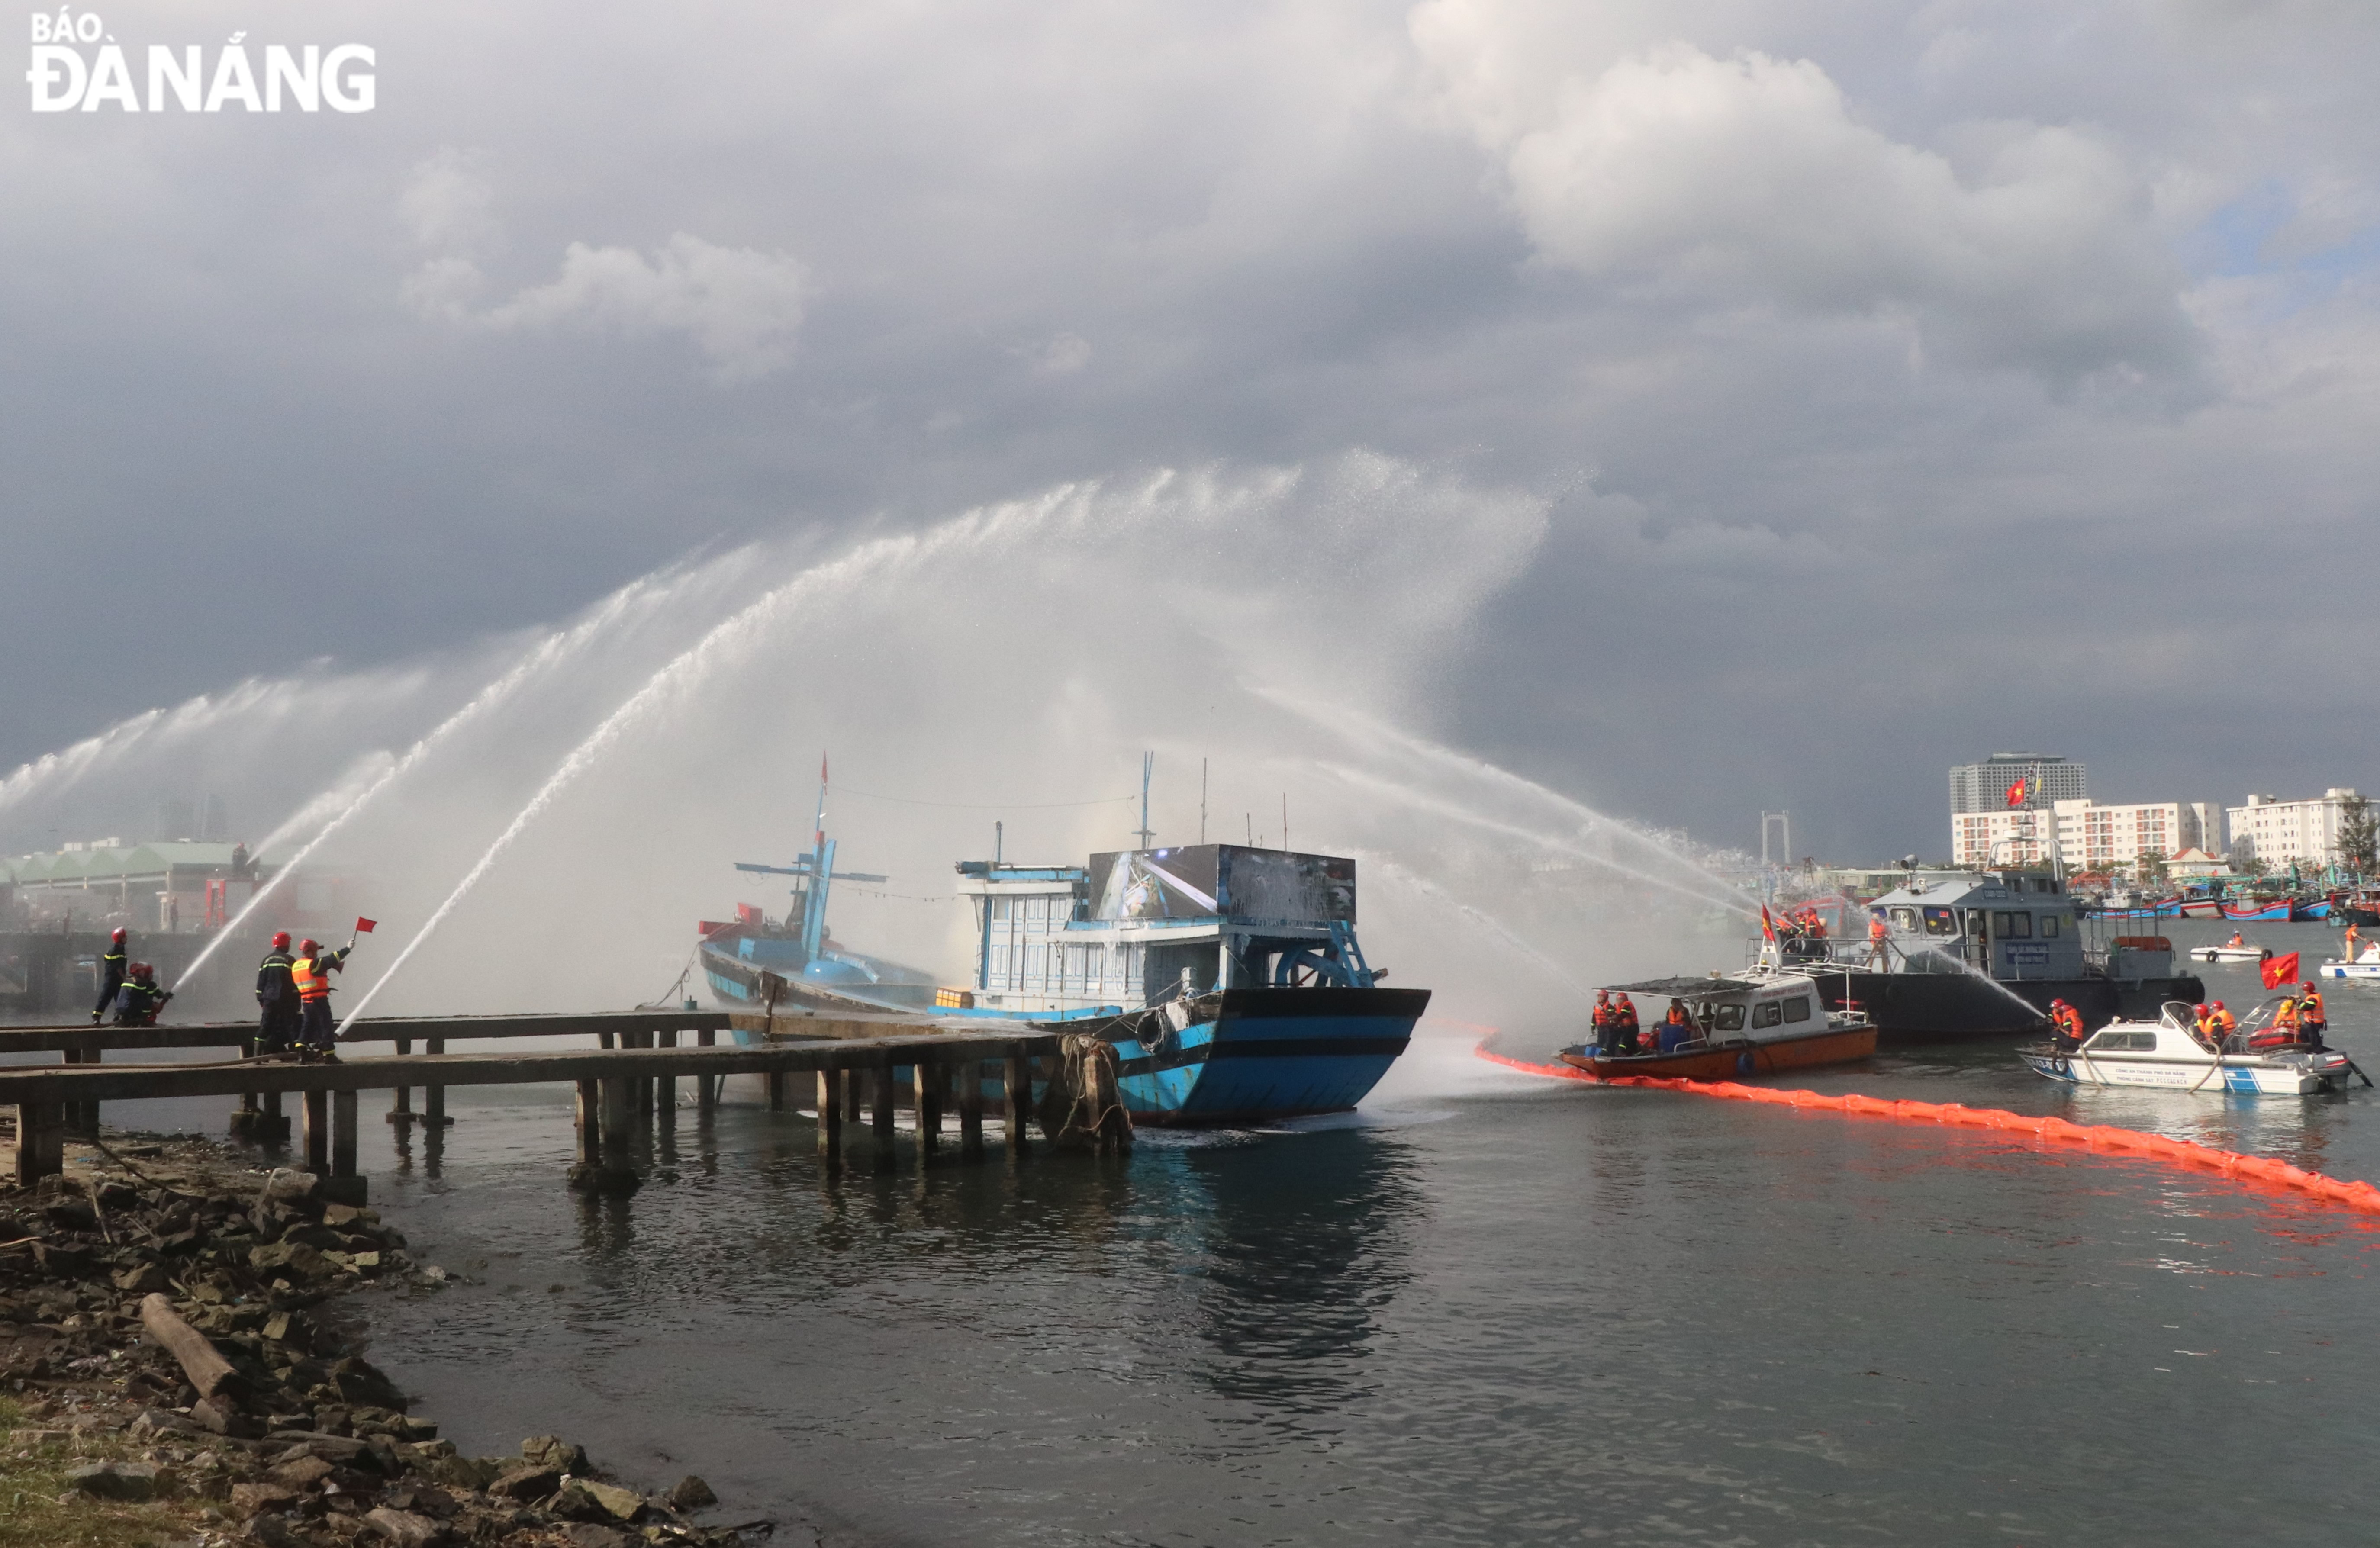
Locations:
(173, 1354)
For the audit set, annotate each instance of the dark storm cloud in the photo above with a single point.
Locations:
(1914, 381)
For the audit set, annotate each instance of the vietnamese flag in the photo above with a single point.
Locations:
(2280, 970)
(2016, 793)
(1768, 926)
(366, 926)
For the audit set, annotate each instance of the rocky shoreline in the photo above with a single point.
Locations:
(176, 1354)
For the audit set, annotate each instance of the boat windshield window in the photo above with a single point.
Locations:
(2110, 1041)
(1940, 922)
(2050, 926)
(1798, 1008)
(1903, 918)
(1767, 1015)
(2012, 926)
(1727, 1018)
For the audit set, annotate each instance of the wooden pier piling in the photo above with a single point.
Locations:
(971, 1108)
(829, 1112)
(1016, 1091)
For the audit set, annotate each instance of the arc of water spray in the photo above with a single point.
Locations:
(1488, 923)
(705, 656)
(554, 649)
(1350, 723)
(1447, 808)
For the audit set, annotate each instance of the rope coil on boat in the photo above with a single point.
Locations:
(2362, 1197)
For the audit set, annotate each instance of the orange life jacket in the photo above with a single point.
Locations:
(2227, 1022)
(1876, 928)
(2310, 1008)
(313, 980)
(2069, 1021)
(2286, 1016)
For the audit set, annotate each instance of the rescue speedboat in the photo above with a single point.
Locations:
(1761, 1021)
(2233, 950)
(2170, 1055)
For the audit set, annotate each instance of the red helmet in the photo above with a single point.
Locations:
(310, 946)
(116, 935)
(2218, 1005)
(281, 940)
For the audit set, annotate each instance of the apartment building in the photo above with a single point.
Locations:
(2282, 833)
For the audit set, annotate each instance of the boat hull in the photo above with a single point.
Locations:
(1270, 1054)
(2268, 913)
(1733, 1062)
(2231, 953)
(2238, 1075)
(2348, 970)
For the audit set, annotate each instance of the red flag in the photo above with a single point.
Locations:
(1768, 926)
(366, 926)
(2280, 970)
(2016, 793)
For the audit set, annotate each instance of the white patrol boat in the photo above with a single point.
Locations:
(2365, 966)
(2170, 1055)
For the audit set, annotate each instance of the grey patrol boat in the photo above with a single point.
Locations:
(1982, 954)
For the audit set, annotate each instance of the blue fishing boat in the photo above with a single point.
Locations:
(1229, 978)
(759, 962)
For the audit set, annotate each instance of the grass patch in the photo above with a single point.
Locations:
(33, 1476)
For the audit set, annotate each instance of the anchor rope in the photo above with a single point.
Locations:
(2362, 1197)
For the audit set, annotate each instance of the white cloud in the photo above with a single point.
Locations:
(1747, 180)
(740, 306)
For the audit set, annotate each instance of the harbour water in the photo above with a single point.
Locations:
(1490, 1309)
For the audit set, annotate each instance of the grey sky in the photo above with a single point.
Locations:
(1906, 381)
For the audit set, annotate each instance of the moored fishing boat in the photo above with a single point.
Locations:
(1755, 1023)
(2169, 1053)
(2269, 911)
(1228, 978)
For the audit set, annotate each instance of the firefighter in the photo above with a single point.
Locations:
(277, 1000)
(140, 999)
(1626, 1027)
(2225, 1024)
(1605, 1021)
(317, 1032)
(1878, 934)
(111, 975)
(2313, 1020)
(2203, 1022)
(2065, 1025)
(2285, 1016)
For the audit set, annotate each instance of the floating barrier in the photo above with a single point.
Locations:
(2362, 1197)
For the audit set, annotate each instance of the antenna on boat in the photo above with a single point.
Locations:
(1148, 763)
(999, 833)
(1202, 801)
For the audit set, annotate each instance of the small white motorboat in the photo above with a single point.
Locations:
(2365, 966)
(2167, 1055)
(2233, 950)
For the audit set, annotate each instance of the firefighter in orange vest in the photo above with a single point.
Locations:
(2066, 1025)
(2285, 1018)
(2203, 1022)
(317, 1032)
(1603, 1021)
(2225, 1024)
(1878, 934)
(1626, 1025)
(2312, 1020)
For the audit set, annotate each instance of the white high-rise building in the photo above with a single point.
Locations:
(2096, 838)
(2283, 833)
(2081, 834)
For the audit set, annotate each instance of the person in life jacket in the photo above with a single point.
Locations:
(111, 975)
(2225, 1022)
(140, 999)
(2065, 1025)
(1676, 1027)
(1879, 932)
(1627, 1027)
(1604, 1021)
(2237, 938)
(310, 972)
(277, 1000)
(2314, 1020)
(2285, 1016)
(2203, 1022)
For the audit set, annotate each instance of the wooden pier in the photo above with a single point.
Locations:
(621, 1083)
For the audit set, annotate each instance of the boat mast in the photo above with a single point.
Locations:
(1148, 762)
